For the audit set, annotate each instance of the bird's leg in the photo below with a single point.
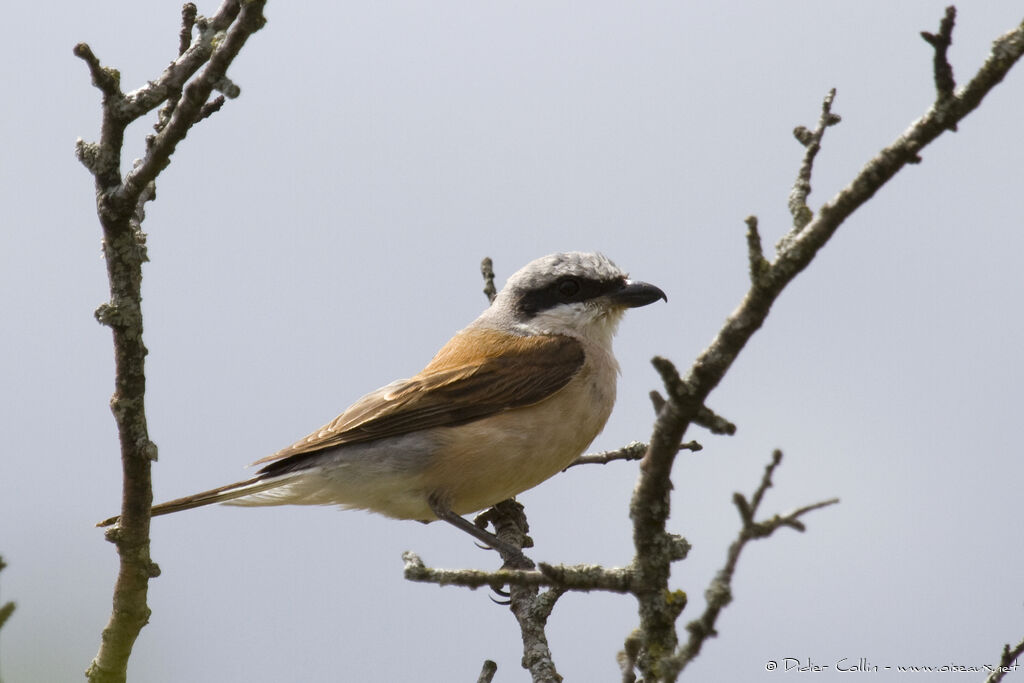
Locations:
(511, 554)
(510, 526)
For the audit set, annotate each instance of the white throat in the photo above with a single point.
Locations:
(588, 322)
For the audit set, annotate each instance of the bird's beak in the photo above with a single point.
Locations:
(635, 294)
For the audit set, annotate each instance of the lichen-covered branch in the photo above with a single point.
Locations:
(649, 509)
(719, 593)
(633, 450)
(487, 270)
(653, 649)
(487, 672)
(120, 205)
(945, 84)
(811, 140)
(1007, 662)
(7, 608)
(195, 94)
(581, 577)
(528, 604)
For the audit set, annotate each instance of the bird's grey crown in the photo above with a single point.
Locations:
(535, 286)
(541, 272)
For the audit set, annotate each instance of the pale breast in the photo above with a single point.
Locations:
(497, 457)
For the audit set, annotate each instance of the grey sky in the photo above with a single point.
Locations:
(321, 236)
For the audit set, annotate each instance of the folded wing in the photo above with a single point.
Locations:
(478, 373)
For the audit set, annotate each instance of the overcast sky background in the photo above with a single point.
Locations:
(321, 236)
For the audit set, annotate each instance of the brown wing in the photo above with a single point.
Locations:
(478, 373)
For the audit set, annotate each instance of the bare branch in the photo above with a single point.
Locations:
(714, 423)
(1007, 663)
(104, 160)
(7, 608)
(530, 607)
(189, 19)
(678, 390)
(582, 577)
(647, 576)
(188, 22)
(705, 417)
(766, 482)
(944, 81)
(487, 270)
(627, 657)
(194, 95)
(107, 80)
(532, 610)
(545, 603)
(487, 672)
(416, 570)
(719, 592)
(588, 577)
(121, 210)
(657, 400)
(634, 450)
(650, 508)
(755, 253)
(670, 378)
(811, 141)
(210, 108)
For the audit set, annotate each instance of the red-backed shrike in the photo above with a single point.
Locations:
(508, 402)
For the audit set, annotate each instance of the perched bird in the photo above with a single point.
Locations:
(508, 402)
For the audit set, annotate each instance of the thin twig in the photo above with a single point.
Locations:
(194, 95)
(487, 672)
(945, 84)
(416, 570)
(530, 607)
(811, 140)
(583, 577)
(719, 593)
(714, 423)
(1007, 663)
(487, 270)
(755, 252)
(7, 608)
(121, 211)
(627, 657)
(107, 80)
(766, 482)
(650, 508)
(188, 22)
(634, 450)
(210, 108)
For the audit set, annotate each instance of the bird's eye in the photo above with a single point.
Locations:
(569, 288)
